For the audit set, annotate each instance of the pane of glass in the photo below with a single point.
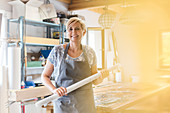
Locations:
(95, 41)
(165, 50)
(0, 23)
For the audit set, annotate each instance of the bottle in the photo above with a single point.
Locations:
(22, 85)
(40, 58)
(43, 61)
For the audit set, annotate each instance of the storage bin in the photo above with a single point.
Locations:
(29, 83)
(34, 64)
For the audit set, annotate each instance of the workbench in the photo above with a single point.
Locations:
(116, 97)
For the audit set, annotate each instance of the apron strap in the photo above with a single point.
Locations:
(66, 50)
(85, 55)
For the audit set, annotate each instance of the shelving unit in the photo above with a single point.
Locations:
(35, 41)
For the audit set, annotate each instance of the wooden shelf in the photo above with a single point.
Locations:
(24, 40)
(39, 41)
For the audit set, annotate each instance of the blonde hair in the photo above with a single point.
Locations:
(74, 20)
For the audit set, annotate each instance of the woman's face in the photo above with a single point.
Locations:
(75, 32)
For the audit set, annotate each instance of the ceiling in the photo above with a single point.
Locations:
(98, 5)
(133, 11)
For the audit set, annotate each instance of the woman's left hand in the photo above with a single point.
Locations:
(104, 73)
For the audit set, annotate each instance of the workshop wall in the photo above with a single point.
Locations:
(138, 42)
(5, 6)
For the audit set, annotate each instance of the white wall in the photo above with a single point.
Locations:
(138, 44)
(4, 5)
(138, 41)
(59, 6)
(6, 9)
(91, 18)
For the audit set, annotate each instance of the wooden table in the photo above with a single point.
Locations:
(116, 97)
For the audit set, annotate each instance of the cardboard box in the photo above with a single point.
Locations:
(48, 11)
(30, 10)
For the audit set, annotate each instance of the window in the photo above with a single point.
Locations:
(95, 39)
(164, 50)
(0, 22)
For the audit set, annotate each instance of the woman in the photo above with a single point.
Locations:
(72, 63)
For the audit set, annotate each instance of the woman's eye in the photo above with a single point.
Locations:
(74, 29)
(77, 28)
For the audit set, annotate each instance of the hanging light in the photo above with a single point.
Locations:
(106, 20)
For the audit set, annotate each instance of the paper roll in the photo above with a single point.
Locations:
(3, 53)
(73, 87)
(3, 89)
(1, 59)
(14, 74)
(14, 67)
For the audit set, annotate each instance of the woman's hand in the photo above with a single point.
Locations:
(61, 91)
(104, 73)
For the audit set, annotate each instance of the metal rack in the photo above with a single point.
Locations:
(23, 38)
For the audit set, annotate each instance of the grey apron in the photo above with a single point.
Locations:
(80, 100)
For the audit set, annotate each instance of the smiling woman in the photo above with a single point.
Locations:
(72, 63)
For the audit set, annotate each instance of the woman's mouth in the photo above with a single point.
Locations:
(76, 36)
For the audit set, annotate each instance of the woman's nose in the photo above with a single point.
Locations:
(73, 31)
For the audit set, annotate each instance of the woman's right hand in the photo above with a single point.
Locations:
(61, 91)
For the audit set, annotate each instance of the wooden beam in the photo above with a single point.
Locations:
(91, 4)
(101, 11)
(65, 1)
(29, 93)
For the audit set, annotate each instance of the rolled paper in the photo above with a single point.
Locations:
(3, 89)
(72, 88)
(14, 74)
(14, 67)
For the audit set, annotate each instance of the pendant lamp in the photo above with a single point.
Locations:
(106, 20)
